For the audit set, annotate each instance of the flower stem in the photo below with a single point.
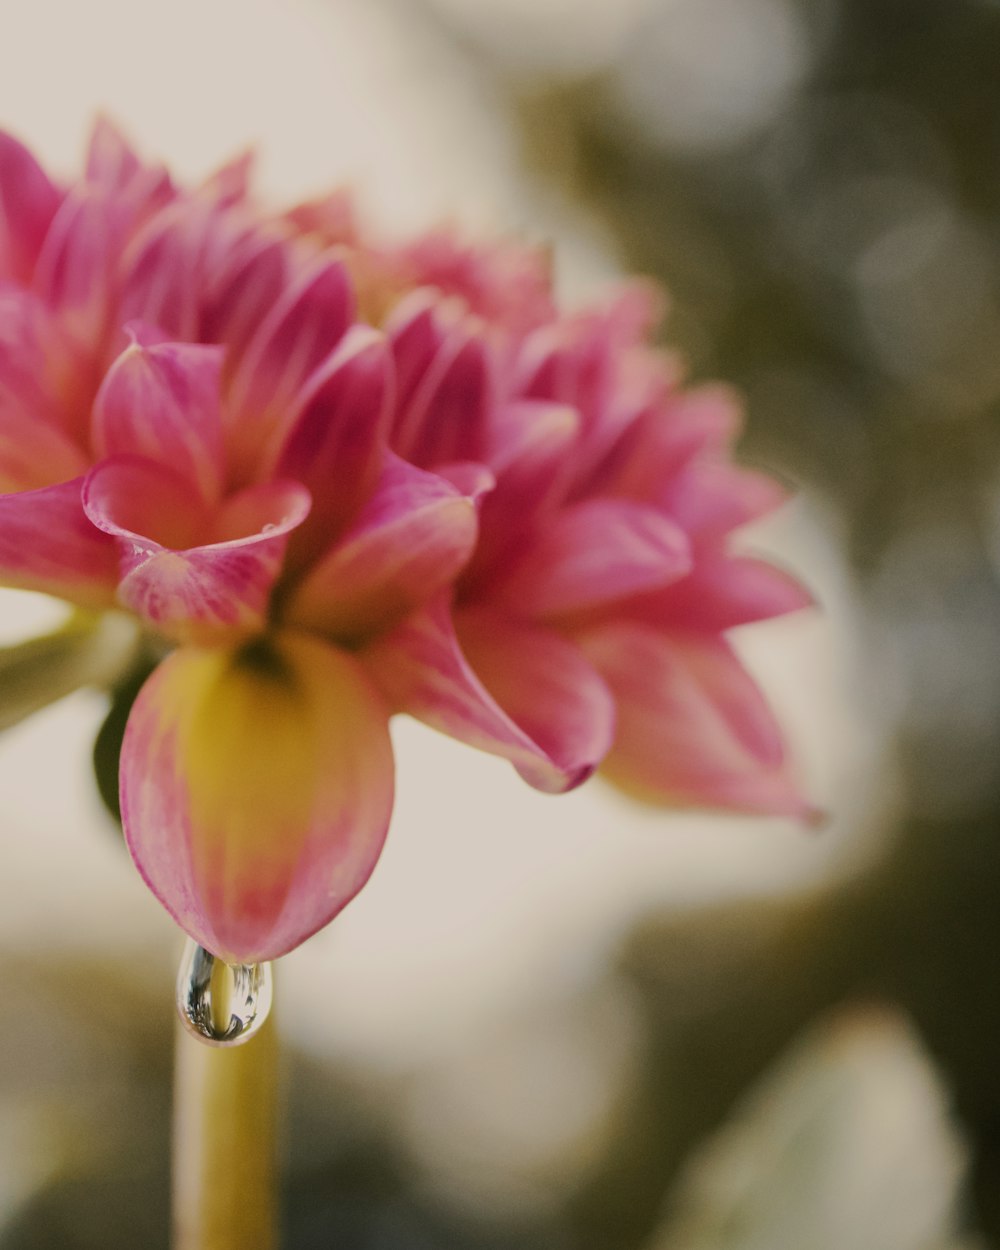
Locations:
(225, 1102)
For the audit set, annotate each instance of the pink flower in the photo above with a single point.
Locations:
(338, 481)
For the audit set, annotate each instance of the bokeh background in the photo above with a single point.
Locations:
(576, 1024)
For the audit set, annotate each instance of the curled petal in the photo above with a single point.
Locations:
(162, 402)
(410, 540)
(256, 789)
(337, 437)
(28, 202)
(593, 553)
(220, 586)
(512, 689)
(693, 728)
(720, 593)
(296, 336)
(48, 544)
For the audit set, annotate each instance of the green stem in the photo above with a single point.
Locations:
(225, 1099)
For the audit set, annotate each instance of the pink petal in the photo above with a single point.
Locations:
(230, 183)
(113, 165)
(47, 544)
(720, 593)
(693, 728)
(660, 443)
(532, 459)
(41, 399)
(163, 269)
(76, 266)
(245, 284)
(256, 789)
(110, 157)
(593, 553)
(409, 541)
(512, 689)
(220, 586)
(711, 497)
(28, 202)
(337, 437)
(298, 334)
(162, 402)
(449, 413)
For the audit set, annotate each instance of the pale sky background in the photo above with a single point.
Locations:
(488, 896)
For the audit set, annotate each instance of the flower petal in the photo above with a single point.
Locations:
(720, 593)
(256, 789)
(661, 442)
(337, 439)
(48, 544)
(711, 498)
(164, 269)
(297, 335)
(450, 411)
(81, 252)
(162, 402)
(43, 383)
(110, 158)
(220, 586)
(245, 284)
(593, 553)
(410, 540)
(693, 728)
(512, 689)
(28, 202)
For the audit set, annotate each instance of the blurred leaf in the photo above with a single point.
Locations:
(848, 1144)
(108, 743)
(88, 650)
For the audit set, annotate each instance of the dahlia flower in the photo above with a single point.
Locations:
(336, 480)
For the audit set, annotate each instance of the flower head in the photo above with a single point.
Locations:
(339, 480)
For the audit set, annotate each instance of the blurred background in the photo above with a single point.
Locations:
(577, 1024)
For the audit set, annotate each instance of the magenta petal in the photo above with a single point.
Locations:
(163, 282)
(220, 586)
(337, 436)
(256, 788)
(593, 553)
(720, 593)
(515, 690)
(693, 728)
(28, 202)
(410, 540)
(47, 544)
(296, 336)
(162, 402)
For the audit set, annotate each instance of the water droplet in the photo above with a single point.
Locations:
(269, 528)
(221, 1004)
